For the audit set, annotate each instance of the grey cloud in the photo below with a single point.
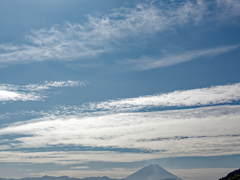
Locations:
(187, 137)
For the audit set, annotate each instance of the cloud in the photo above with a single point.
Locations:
(147, 63)
(73, 157)
(181, 98)
(174, 133)
(110, 125)
(105, 33)
(32, 92)
(215, 95)
(44, 86)
(228, 8)
(16, 96)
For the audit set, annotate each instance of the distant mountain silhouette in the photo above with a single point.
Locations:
(61, 178)
(235, 175)
(152, 172)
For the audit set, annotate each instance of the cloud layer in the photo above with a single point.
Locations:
(175, 133)
(204, 131)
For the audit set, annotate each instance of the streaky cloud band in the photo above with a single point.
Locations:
(181, 98)
(211, 96)
(173, 133)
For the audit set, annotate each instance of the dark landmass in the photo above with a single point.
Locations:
(235, 175)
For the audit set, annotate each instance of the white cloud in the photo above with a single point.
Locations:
(32, 92)
(52, 84)
(102, 33)
(74, 41)
(147, 63)
(205, 131)
(186, 98)
(208, 131)
(16, 96)
(215, 95)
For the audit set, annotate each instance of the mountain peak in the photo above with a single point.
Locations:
(153, 165)
(152, 172)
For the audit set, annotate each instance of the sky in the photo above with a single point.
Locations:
(104, 88)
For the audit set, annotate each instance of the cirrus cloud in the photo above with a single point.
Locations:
(32, 92)
(104, 33)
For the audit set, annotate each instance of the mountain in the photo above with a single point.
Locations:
(61, 178)
(235, 175)
(152, 172)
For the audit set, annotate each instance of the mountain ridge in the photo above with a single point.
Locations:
(235, 175)
(150, 172)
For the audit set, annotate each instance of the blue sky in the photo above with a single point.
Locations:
(94, 88)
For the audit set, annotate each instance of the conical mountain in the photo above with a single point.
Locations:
(152, 172)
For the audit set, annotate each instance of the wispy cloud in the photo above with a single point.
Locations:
(104, 33)
(147, 63)
(182, 98)
(32, 92)
(73, 157)
(215, 95)
(175, 133)
(228, 8)
(16, 96)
